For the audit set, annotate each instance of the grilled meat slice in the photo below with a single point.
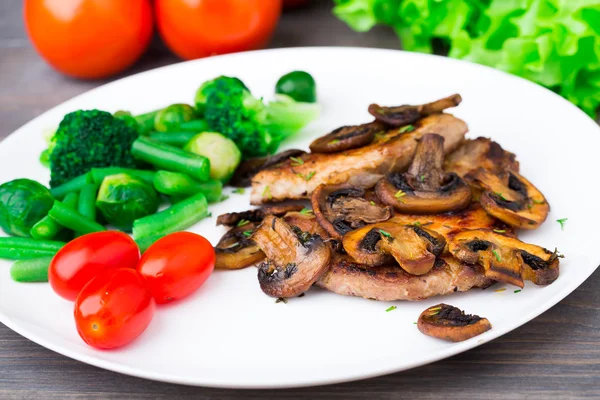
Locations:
(361, 167)
(482, 152)
(389, 283)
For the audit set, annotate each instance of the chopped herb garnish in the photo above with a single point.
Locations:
(501, 196)
(500, 290)
(224, 197)
(267, 193)
(496, 255)
(372, 202)
(517, 291)
(399, 194)
(500, 230)
(243, 222)
(239, 191)
(247, 233)
(536, 201)
(417, 224)
(422, 178)
(407, 128)
(281, 300)
(392, 308)
(384, 233)
(334, 141)
(414, 323)
(308, 176)
(306, 211)
(435, 308)
(562, 222)
(296, 161)
(529, 206)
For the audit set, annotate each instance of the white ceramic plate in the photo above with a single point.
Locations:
(229, 334)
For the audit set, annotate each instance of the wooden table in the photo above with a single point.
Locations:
(557, 355)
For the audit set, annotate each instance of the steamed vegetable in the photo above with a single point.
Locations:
(98, 174)
(123, 198)
(74, 185)
(47, 228)
(222, 152)
(299, 85)
(181, 185)
(169, 118)
(554, 43)
(71, 219)
(177, 139)
(23, 203)
(32, 270)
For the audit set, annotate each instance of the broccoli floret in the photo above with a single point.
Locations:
(87, 139)
(257, 129)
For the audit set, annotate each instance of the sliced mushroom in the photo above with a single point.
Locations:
(295, 259)
(480, 153)
(342, 208)
(512, 199)
(414, 248)
(346, 138)
(504, 258)
(306, 222)
(425, 188)
(236, 250)
(247, 169)
(447, 322)
(405, 115)
(256, 215)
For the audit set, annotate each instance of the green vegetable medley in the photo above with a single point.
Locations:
(117, 169)
(555, 43)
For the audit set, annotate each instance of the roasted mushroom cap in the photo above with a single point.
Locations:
(504, 258)
(512, 199)
(413, 247)
(295, 259)
(346, 138)
(247, 169)
(447, 322)
(480, 153)
(425, 188)
(236, 250)
(256, 215)
(342, 208)
(405, 115)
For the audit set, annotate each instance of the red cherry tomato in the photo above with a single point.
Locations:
(114, 308)
(177, 265)
(83, 258)
(201, 28)
(89, 38)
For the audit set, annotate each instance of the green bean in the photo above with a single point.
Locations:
(13, 253)
(175, 218)
(74, 185)
(33, 270)
(177, 139)
(195, 125)
(47, 228)
(146, 121)
(145, 242)
(73, 220)
(176, 184)
(27, 243)
(87, 201)
(98, 174)
(171, 158)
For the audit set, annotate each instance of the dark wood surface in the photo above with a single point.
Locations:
(557, 355)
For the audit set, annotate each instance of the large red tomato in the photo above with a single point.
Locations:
(89, 38)
(201, 28)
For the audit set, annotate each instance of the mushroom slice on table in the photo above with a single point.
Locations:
(505, 259)
(247, 169)
(414, 248)
(256, 215)
(342, 208)
(447, 322)
(236, 250)
(425, 188)
(295, 259)
(512, 199)
(347, 137)
(406, 114)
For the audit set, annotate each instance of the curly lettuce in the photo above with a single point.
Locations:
(555, 43)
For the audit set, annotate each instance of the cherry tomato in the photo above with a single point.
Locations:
(201, 28)
(114, 308)
(177, 265)
(89, 38)
(83, 258)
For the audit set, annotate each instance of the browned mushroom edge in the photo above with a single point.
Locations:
(346, 138)
(247, 169)
(413, 247)
(447, 322)
(512, 199)
(506, 259)
(256, 215)
(342, 208)
(295, 259)
(406, 114)
(237, 250)
(425, 188)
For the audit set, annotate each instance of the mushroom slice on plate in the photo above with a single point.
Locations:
(447, 322)
(247, 169)
(256, 215)
(342, 208)
(405, 115)
(512, 199)
(346, 138)
(482, 152)
(236, 250)
(425, 188)
(504, 258)
(414, 248)
(295, 259)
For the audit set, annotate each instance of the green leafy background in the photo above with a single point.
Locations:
(555, 43)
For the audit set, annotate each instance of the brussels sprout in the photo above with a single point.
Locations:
(222, 152)
(299, 85)
(23, 203)
(171, 117)
(123, 198)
